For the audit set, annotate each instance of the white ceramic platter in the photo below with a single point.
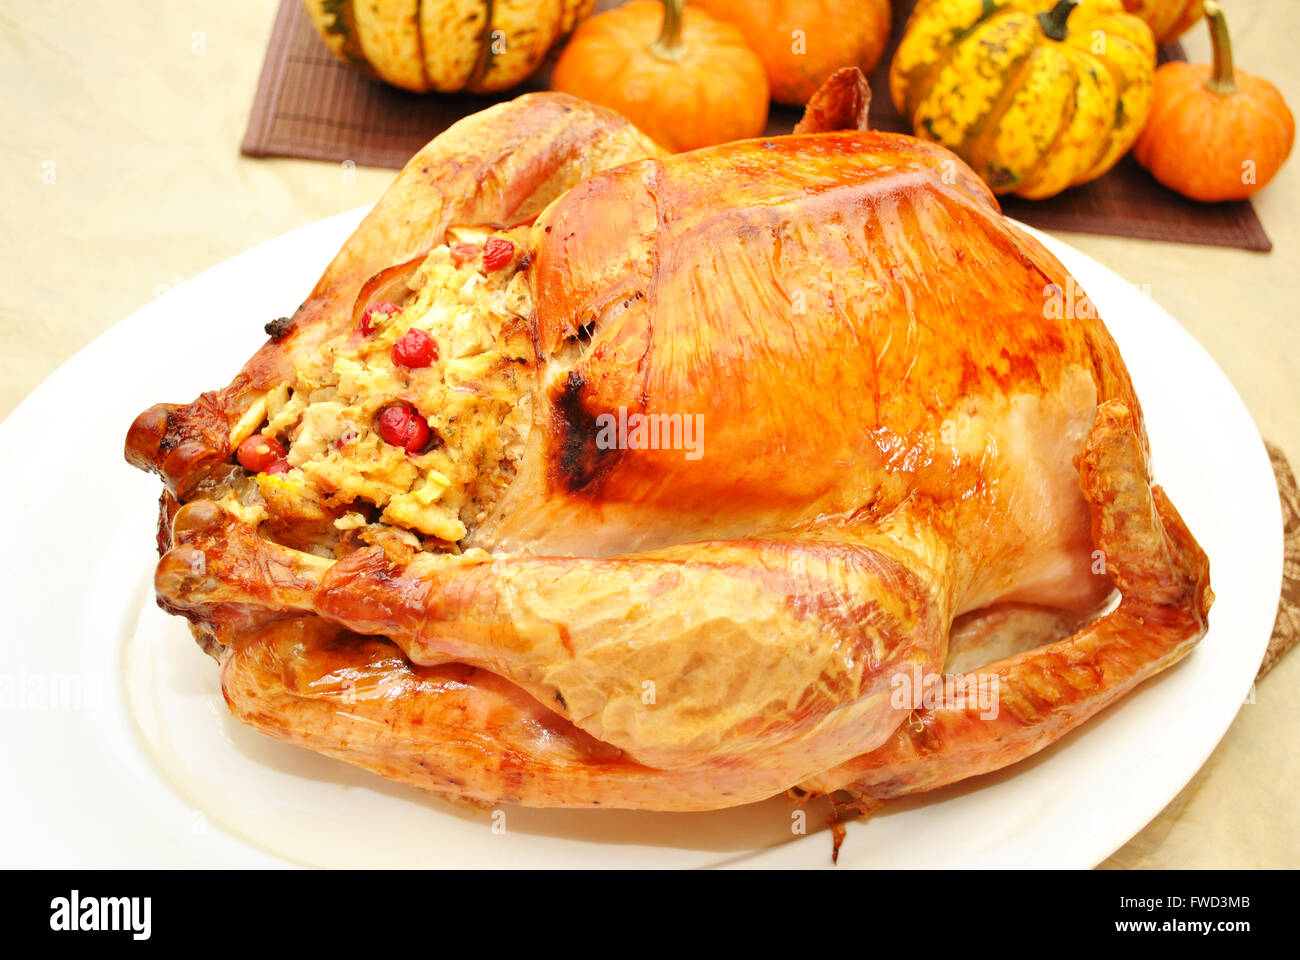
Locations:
(118, 750)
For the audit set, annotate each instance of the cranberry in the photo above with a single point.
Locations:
(497, 253)
(279, 466)
(463, 253)
(258, 452)
(401, 425)
(386, 307)
(415, 349)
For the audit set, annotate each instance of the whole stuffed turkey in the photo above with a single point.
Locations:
(588, 475)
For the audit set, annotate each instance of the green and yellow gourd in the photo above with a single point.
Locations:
(479, 46)
(1036, 95)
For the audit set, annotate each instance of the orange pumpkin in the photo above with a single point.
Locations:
(802, 42)
(1215, 133)
(1168, 19)
(685, 79)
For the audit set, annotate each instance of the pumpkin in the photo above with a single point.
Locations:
(446, 45)
(1035, 96)
(685, 79)
(1215, 133)
(1168, 19)
(803, 42)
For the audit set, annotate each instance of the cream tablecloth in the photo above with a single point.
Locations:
(121, 176)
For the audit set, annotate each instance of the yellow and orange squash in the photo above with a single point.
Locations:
(479, 46)
(1036, 95)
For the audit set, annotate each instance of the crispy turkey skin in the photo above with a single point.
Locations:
(897, 429)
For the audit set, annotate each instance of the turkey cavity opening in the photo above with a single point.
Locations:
(346, 482)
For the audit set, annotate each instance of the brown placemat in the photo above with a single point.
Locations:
(310, 105)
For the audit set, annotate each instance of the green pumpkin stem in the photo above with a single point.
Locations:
(1053, 21)
(669, 45)
(1224, 78)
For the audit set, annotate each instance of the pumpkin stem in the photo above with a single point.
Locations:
(669, 44)
(1053, 21)
(1224, 78)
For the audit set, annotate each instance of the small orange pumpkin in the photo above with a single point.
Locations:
(696, 85)
(803, 42)
(1215, 133)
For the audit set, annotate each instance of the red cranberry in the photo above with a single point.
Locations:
(402, 426)
(279, 466)
(415, 349)
(258, 453)
(386, 307)
(463, 253)
(497, 253)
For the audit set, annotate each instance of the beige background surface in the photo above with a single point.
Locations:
(137, 109)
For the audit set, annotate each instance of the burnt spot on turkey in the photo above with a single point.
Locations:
(279, 328)
(580, 461)
(171, 431)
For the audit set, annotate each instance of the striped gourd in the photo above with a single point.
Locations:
(446, 45)
(1036, 95)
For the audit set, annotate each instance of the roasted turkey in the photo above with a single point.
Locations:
(589, 475)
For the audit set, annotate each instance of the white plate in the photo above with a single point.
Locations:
(118, 749)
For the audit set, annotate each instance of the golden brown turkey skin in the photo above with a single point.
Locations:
(852, 331)
(454, 728)
(907, 414)
(1163, 577)
(736, 667)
